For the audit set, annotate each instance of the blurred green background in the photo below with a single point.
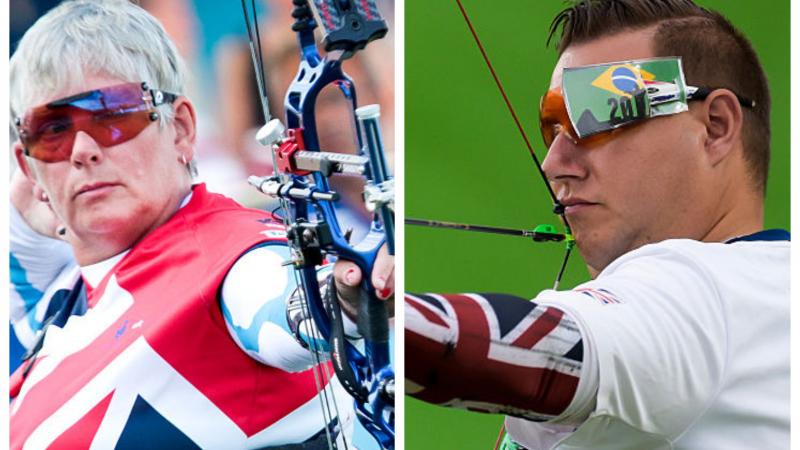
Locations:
(465, 161)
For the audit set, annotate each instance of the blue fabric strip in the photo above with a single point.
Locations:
(765, 235)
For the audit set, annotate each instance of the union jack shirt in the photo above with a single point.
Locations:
(151, 364)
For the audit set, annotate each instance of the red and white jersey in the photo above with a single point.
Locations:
(152, 361)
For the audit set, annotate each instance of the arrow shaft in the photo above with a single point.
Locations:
(469, 227)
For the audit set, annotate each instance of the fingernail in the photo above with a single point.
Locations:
(383, 290)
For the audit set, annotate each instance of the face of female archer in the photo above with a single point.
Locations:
(642, 184)
(109, 185)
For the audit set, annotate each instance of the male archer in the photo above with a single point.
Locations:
(657, 128)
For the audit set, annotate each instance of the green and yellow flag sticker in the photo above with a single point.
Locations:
(603, 97)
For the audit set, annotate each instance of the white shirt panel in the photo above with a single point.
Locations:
(692, 347)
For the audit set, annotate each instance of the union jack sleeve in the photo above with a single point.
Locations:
(492, 353)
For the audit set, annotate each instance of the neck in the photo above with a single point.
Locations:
(739, 212)
(736, 223)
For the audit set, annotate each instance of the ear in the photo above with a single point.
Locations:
(27, 171)
(185, 123)
(22, 161)
(723, 118)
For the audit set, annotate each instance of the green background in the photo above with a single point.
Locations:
(465, 161)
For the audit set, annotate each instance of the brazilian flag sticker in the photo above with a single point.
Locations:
(606, 96)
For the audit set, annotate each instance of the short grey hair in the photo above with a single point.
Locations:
(105, 37)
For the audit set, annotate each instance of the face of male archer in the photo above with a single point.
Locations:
(643, 184)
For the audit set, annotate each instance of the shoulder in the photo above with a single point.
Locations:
(678, 306)
(254, 292)
(215, 223)
(216, 210)
(254, 300)
(258, 274)
(723, 266)
(692, 250)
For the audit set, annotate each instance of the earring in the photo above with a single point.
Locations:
(43, 197)
(183, 160)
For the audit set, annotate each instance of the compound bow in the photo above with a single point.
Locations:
(301, 182)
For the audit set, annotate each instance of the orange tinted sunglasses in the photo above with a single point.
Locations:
(554, 119)
(111, 116)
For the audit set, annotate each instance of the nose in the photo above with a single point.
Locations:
(563, 160)
(85, 150)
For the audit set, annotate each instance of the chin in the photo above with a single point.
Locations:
(109, 221)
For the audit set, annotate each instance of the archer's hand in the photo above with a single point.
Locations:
(33, 206)
(348, 280)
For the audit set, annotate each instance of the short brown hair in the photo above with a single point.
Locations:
(715, 54)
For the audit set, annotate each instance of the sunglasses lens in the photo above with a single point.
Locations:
(553, 117)
(115, 128)
(48, 135)
(111, 116)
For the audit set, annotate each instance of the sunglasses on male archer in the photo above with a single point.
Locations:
(111, 115)
(595, 102)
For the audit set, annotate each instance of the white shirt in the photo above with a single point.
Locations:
(687, 347)
(40, 267)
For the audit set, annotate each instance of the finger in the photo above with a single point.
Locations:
(383, 274)
(347, 277)
(347, 273)
(387, 290)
